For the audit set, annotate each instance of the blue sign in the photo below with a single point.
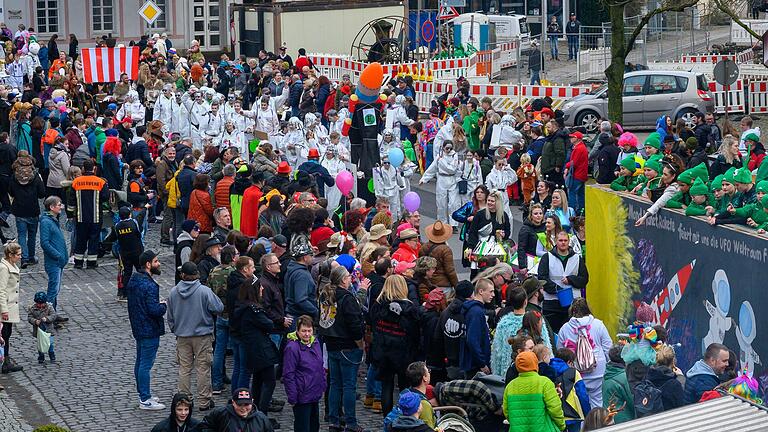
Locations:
(425, 25)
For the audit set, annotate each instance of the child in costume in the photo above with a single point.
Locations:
(628, 177)
(499, 178)
(527, 175)
(684, 181)
(42, 316)
(719, 201)
(755, 214)
(650, 180)
(388, 183)
(700, 199)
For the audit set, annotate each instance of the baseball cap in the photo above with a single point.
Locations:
(576, 134)
(189, 268)
(242, 396)
(280, 240)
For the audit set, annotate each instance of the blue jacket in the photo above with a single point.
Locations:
(322, 176)
(139, 150)
(144, 308)
(184, 180)
(475, 351)
(581, 389)
(300, 291)
(699, 378)
(91, 136)
(52, 241)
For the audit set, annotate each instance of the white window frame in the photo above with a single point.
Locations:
(47, 12)
(163, 5)
(100, 15)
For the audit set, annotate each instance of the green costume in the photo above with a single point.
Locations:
(698, 189)
(471, 127)
(756, 211)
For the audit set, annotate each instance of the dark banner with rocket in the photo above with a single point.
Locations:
(705, 283)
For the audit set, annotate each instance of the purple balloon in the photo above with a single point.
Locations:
(411, 201)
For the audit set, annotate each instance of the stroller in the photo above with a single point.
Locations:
(453, 419)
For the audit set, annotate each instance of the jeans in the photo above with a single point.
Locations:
(146, 352)
(220, 352)
(241, 377)
(535, 77)
(141, 219)
(372, 384)
(27, 236)
(573, 47)
(343, 366)
(553, 46)
(54, 273)
(263, 387)
(428, 155)
(306, 417)
(576, 195)
(276, 339)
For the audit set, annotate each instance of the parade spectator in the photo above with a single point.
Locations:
(26, 188)
(145, 312)
(181, 416)
(9, 302)
(55, 252)
(191, 312)
(238, 414)
(475, 348)
(532, 393)
(304, 376)
(702, 376)
(445, 273)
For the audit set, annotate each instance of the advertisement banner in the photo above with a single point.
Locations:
(704, 283)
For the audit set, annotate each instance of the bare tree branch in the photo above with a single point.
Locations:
(723, 6)
(668, 6)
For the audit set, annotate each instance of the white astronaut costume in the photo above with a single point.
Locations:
(334, 166)
(132, 108)
(387, 182)
(321, 140)
(504, 134)
(444, 134)
(243, 120)
(228, 108)
(180, 118)
(198, 112)
(396, 116)
(16, 71)
(406, 170)
(267, 121)
(719, 321)
(446, 168)
(337, 126)
(213, 125)
(499, 180)
(471, 172)
(233, 138)
(294, 143)
(31, 61)
(164, 108)
(387, 141)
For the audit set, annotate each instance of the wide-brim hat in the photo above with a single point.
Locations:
(439, 232)
(378, 231)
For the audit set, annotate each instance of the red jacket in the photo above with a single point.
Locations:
(755, 159)
(201, 210)
(404, 253)
(249, 211)
(579, 163)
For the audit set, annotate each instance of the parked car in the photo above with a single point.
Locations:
(648, 94)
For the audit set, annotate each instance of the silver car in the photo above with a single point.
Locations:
(648, 95)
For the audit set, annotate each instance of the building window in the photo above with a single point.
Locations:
(47, 16)
(103, 16)
(160, 22)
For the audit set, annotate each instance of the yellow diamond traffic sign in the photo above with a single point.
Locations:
(150, 12)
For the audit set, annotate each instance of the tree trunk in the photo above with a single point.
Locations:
(615, 71)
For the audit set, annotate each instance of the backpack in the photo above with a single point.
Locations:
(647, 399)
(585, 357)
(395, 413)
(50, 137)
(174, 195)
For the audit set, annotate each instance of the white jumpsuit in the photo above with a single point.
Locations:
(499, 180)
(387, 182)
(333, 194)
(447, 169)
(197, 118)
(164, 112)
(470, 171)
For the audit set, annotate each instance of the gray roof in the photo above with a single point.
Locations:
(723, 414)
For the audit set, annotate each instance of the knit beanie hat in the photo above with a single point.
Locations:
(717, 183)
(645, 313)
(686, 177)
(188, 225)
(762, 186)
(653, 164)
(699, 188)
(527, 362)
(742, 175)
(629, 163)
(409, 403)
(653, 140)
(691, 143)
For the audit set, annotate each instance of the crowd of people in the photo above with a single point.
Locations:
(235, 161)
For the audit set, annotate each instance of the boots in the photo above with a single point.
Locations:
(40, 358)
(52, 356)
(11, 366)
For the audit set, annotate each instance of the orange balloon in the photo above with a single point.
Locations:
(372, 76)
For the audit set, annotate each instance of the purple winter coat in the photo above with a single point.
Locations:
(303, 372)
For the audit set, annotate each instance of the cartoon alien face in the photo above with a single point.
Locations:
(722, 291)
(747, 322)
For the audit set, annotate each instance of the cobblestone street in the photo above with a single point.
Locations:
(91, 387)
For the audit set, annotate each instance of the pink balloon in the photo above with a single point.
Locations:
(411, 201)
(345, 181)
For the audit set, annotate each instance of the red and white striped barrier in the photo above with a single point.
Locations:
(758, 97)
(707, 58)
(507, 54)
(729, 98)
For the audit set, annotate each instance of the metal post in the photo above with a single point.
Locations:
(519, 62)
(693, 41)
